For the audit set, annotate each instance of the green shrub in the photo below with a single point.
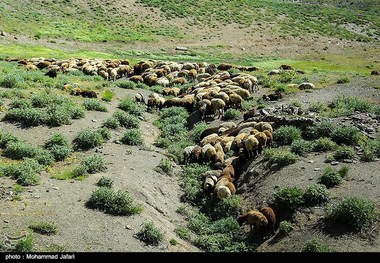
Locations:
(343, 171)
(88, 139)
(347, 135)
(229, 206)
(132, 137)
(7, 138)
(301, 147)
(25, 173)
(105, 133)
(317, 107)
(324, 144)
(183, 233)
(43, 100)
(59, 146)
(289, 198)
(344, 152)
(44, 228)
(316, 194)
(315, 245)
(331, 177)
(165, 166)
(20, 150)
(20, 103)
(126, 120)
(320, 129)
(197, 130)
(191, 182)
(24, 245)
(130, 106)
(113, 202)
(371, 150)
(26, 116)
(112, 123)
(285, 135)
(231, 114)
(95, 105)
(353, 212)
(94, 163)
(107, 95)
(105, 182)
(12, 81)
(279, 157)
(285, 228)
(79, 171)
(150, 234)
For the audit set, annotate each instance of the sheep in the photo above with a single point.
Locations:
(88, 94)
(187, 153)
(204, 107)
(219, 157)
(269, 137)
(217, 106)
(211, 153)
(209, 139)
(286, 67)
(375, 73)
(204, 151)
(222, 192)
(254, 218)
(272, 96)
(228, 172)
(262, 139)
(51, 73)
(137, 79)
(238, 141)
(271, 217)
(197, 154)
(139, 98)
(235, 100)
(251, 144)
(266, 126)
(209, 184)
(306, 85)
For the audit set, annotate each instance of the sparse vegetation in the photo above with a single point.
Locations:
(107, 95)
(89, 138)
(231, 114)
(95, 105)
(150, 234)
(301, 147)
(344, 152)
(24, 245)
(331, 177)
(94, 163)
(279, 157)
(324, 144)
(58, 146)
(165, 166)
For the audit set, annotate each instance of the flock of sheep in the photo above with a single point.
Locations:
(212, 89)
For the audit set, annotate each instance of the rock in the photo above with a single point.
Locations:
(118, 142)
(334, 163)
(370, 129)
(347, 161)
(94, 120)
(264, 112)
(3, 34)
(55, 188)
(37, 196)
(310, 161)
(47, 190)
(129, 227)
(6, 221)
(317, 169)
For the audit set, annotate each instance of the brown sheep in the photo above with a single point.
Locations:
(255, 219)
(51, 73)
(228, 172)
(196, 154)
(139, 98)
(271, 217)
(286, 67)
(251, 144)
(88, 94)
(262, 139)
(269, 137)
(136, 79)
(375, 73)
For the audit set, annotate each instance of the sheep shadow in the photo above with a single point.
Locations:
(332, 229)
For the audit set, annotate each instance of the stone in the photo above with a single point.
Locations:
(55, 188)
(317, 169)
(94, 120)
(310, 161)
(347, 160)
(129, 227)
(334, 163)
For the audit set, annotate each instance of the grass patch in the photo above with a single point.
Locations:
(183, 233)
(284, 228)
(331, 177)
(125, 119)
(88, 139)
(24, 245)
(94, 163)
(111, 123)
(150, 234)
(344, 152)
(231, 114)
(129, 105)
(113, 202)
(301, 147)
(59, 146)
(324, 144)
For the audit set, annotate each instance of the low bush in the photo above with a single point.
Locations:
(150, 234)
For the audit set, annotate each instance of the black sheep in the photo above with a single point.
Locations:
(51, 73)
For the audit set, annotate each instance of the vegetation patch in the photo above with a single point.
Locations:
(285, 135)
(113, 202)
(289, 198)
(279, 157)
(132, 137)
(316, 194)
(150, 234)
(315, 245)
(89, 138)
(94, 105)
(355, 213)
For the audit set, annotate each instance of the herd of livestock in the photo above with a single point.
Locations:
(208, 88)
